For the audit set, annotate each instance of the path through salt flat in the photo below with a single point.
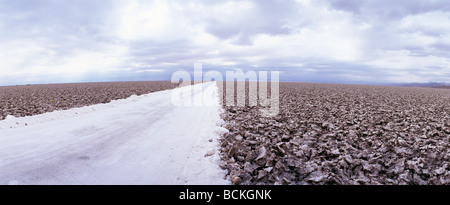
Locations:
(139, 140)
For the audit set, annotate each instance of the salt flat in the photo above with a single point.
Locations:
(139, 140)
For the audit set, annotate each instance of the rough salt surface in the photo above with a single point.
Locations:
(139, 140)
(28, 100)
(341, 134)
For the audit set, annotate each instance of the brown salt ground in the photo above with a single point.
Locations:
(27, 100)
(341, 134)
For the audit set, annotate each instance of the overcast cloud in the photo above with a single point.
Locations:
(337, 41)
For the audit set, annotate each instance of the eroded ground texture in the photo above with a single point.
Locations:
(341, 134)
(20, 101)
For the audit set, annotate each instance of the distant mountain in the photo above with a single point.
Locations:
(443, 86)
(424, 85)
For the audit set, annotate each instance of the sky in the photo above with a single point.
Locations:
(334, 41)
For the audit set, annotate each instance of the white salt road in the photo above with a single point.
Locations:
(140, 140)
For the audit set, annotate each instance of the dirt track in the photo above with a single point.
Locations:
(139, 140)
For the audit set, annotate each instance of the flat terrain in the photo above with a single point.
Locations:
(324, 134)
(30, 100)
(342, 134)
(139, 140)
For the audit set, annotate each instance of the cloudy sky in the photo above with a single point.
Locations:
(336, 41)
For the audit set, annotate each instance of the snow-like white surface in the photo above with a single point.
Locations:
(140, 140)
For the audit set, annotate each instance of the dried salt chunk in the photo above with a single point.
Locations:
(239, 138)
(439, 171)
(268, 169)
(335, 152)
(262, 153)
(316, 176)
(235, 180)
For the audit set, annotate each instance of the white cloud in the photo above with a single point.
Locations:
(30, 58)
(145, 21)
(403, 60)
(437, 21)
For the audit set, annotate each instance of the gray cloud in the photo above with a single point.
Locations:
(264, 17)
(320, 41)
(389, 10)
